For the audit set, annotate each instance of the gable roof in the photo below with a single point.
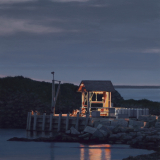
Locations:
(91, 85)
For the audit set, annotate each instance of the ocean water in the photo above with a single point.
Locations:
(10, 150)
(137, 94)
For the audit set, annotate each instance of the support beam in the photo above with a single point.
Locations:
(53, 95)
(29, 121)
(77, 122)
(87, 117)
(110, 100)
(88, 103)
(59, 122)
(35, 121)
(43, 122)
(67, 122)
(82, 99)
(51, 119)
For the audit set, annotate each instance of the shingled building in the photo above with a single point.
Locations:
(96, 92)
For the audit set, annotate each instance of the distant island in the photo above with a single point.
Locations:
(138, 87)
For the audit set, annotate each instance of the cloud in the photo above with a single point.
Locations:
(11, 26)
(94, 35)
(70, 0)
(15, 1)
(153, 50)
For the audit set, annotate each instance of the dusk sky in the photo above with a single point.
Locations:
(117, 40)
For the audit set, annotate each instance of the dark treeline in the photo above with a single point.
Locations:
(18, 95)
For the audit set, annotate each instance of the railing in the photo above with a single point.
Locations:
(131, 112)
(104, 111)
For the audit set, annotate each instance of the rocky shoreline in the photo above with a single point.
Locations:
(143, 133)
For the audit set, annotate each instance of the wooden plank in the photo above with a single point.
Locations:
(77, 122)
(43, 122)
(35, 121)
(50, 124)
(67, 121)
(29, 121)
(87, 116)
(59, 122)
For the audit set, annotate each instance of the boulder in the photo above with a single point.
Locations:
(147, 118)
(139, 133)
(150, 123)
(105, 133)
(157, 125)
(74, 131)
(89, 129)
(133, 134)
(110, 128)
(98, 134)
(121, 135)
(105, 122)
(136, 123)
(119, 129)
(68, 132)
(96, 123)
(119, 123)
(104, 129)
(127, 137)
(84, 135)
(130, 126)
(153, 138)
(136, 140)
(114, 137)
(158, 119)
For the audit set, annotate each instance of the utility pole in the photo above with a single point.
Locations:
(53, 95)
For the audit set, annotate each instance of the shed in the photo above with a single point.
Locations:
(92, 88)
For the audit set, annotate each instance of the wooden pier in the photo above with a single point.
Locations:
(56, 123)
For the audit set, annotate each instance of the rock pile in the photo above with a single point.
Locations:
(139, 134)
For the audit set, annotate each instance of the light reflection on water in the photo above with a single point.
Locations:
(95, 152)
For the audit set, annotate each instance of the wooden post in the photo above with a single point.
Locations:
(110, 99)
(51, 119)
(43, 122)
(138, 113)
(86, 123)
(88, 103)
(67, 121)
(34, 134)
(82, 99)
(77, 122)
(27, 121)
(53, 95)
(35, 121)
(59, 122)
(129, 112)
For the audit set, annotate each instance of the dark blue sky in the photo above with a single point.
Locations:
(117, 40)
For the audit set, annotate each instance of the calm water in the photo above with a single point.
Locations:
(137, 94)
(60, 151)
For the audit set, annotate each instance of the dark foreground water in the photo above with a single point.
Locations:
(137, 94)
(60, 151)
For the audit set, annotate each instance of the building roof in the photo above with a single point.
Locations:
(91, 85)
